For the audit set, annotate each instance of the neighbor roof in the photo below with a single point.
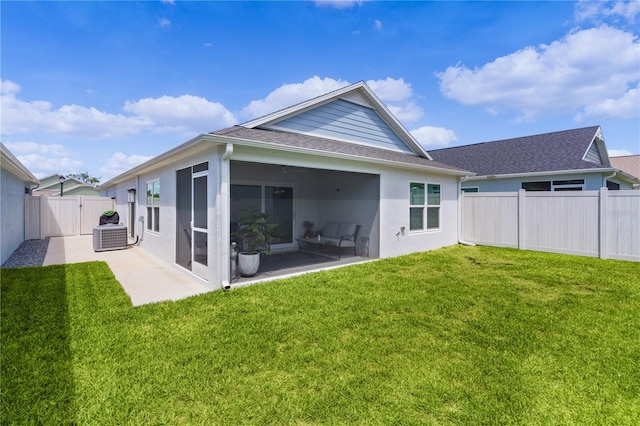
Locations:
(629, 164)
(557, 151)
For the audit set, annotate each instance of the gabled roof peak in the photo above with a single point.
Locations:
(358, 93)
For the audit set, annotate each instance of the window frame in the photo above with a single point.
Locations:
(426, 207)
(471, 189)
(153, 205)
(556, 185)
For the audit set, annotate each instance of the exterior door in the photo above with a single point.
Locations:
(192, 219)
(199, 224)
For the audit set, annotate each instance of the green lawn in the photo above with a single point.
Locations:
(462, 335)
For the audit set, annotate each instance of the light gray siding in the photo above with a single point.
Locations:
(593, 154)
(12, 223)
(346, 121)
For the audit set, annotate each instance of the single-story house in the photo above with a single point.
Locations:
(568, 160)
(342, 157)
(15, 180)
(50, 186)
(630, 164)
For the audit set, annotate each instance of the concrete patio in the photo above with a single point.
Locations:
(144, 278)
(148, 280)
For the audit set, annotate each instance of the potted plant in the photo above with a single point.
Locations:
(254, 234)
(308, 229)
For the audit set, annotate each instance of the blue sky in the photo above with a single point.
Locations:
(102, 86)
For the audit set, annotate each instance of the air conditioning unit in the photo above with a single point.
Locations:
(109, 237)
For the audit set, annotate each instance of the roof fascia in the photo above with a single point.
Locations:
(220, 139)
(11, 163)
(364, 89)
(549, 173)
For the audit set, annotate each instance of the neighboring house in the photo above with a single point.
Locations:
(630, 164)
(50, 186)
(15, 181)
(560, 161)
(339, 157)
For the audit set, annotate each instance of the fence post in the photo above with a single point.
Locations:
(602, 225)
(44, 205)
(521, 225)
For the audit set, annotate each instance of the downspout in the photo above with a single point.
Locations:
(226, 183)
(139, 219)
(604, 179)
(460, 240)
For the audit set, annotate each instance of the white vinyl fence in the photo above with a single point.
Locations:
(600, 223)
(63, 216)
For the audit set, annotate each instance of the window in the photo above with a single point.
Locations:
(474, 189)
(536, 186)
(613, 185)
(568, 185)
(418, 210)
(153, 206)
(433, 206)
(556, 185)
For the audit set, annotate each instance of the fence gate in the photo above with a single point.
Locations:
(63, 216)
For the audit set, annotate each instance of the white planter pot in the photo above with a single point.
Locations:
(248, 264)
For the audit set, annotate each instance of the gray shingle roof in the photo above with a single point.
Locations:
(555, 151)
(288, 139)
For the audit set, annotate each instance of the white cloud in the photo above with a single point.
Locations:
(291, 94)
(44, 160)
(377, 25)
(391, 90)
(429, 136)
(596, 11)
(119, 163)
(184, 115)
(397, 95)
(626, 106)
(570, 74)
(164, 22)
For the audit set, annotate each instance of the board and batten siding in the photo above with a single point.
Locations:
(600, 223)
(345, 121)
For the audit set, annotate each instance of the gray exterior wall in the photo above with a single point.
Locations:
(12, 208)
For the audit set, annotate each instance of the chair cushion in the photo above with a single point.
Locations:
(346, 229)
(330, 230)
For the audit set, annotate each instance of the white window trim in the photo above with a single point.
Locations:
(427, 206)
(415, 206)
(150, 224)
